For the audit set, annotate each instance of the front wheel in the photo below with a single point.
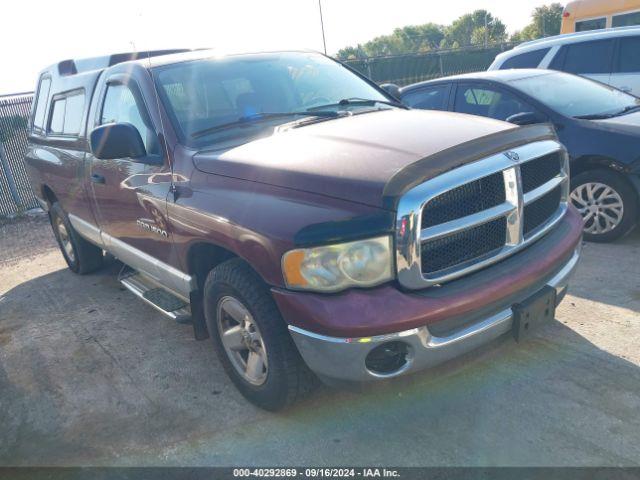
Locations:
(251, 338)
(81, 256)
(607, 203)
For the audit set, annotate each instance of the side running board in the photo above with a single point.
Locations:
(158, 297)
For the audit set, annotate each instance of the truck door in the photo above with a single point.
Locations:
(129, 195)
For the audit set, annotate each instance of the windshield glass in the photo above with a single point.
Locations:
(575, 96)
(225, 92)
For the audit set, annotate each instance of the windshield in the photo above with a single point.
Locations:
(211, 100)
(575, 96)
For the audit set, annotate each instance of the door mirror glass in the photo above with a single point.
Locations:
(525, 118)
(117, 140)
(392, 89)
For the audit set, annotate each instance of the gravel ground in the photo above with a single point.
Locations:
(91, 376)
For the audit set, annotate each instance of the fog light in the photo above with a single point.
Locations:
(388, 359)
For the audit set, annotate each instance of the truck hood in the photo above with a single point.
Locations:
(351, 158)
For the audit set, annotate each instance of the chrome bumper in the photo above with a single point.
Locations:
(344, 358)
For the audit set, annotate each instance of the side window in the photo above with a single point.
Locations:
(73, 114)
(41, 104)
(488, 102)
(121, 106)
(557, 62)
(626, 19)
(67, 114)
(592, 24)
(432, 98)
(587, 57)
(525, 60)
(57, 116)
(628, 57)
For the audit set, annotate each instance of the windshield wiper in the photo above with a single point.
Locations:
(627, 109)
(595, 116)
(257, 117)
(356, 101)
(602, 116)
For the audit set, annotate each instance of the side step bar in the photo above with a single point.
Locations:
(149, 291)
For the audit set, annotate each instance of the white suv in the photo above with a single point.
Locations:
(609, 56)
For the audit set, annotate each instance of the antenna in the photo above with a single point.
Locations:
(324, 41)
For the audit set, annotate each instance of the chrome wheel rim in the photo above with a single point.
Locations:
(600, 205)
(242, 340)
(65, 239)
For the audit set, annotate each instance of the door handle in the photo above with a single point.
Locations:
(96, 178)
(626, 89)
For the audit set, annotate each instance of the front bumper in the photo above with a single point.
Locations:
(344, 358)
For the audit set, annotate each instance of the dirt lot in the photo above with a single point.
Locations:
(91, 376)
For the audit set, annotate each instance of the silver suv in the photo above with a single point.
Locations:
(609, 56)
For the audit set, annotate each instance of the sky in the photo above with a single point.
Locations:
(37, 33)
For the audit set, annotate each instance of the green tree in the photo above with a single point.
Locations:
(474, 29)
(471, 29)
(417, 38)
(545, 22)
(412, 38)
(351, 53)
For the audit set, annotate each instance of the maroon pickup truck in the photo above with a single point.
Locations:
(298, 215)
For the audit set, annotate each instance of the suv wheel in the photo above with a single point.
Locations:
(251, 339)
(607, 203)
(81, 256)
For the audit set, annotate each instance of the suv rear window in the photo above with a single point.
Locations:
(525, 60)
(67, 113)
(584, 57)
(628, 57)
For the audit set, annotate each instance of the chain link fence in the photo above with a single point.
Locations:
(416, 67)
(16, 195)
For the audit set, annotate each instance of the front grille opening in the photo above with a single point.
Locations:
(473, 197)
(540, 211)
(447, 252)
(539, 171)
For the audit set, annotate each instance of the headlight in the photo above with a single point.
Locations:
(330, 268)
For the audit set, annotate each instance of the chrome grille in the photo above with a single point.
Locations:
(463, 246)
(464, 200)
(540, 171)
(480, 213)
(538, 211)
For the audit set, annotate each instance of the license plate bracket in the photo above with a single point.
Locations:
(538, 309)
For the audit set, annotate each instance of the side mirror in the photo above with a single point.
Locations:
(525, 118)
(392, 89)
(116, 140)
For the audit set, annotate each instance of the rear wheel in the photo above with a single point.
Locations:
(251, 338)
(607, 203)
(81, 256)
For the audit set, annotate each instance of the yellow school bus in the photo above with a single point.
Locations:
(581, 15)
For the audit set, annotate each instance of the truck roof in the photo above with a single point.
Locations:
(70, 67)
(151, 58)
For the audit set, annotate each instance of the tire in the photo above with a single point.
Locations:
(81, 256)
(281, 377)
(607, 202)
